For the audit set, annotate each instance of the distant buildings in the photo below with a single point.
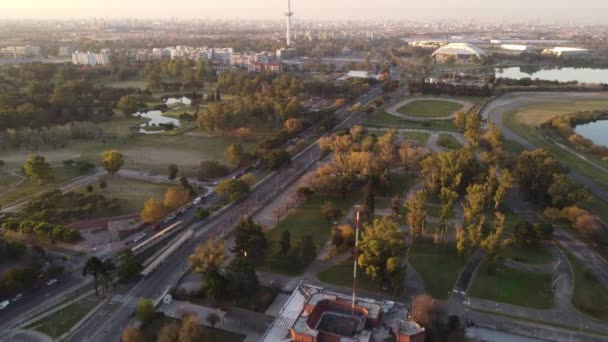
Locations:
(20, 51)
(566, 52)
(90, 58)
(463, 52)
(65, 51)
(288, 53)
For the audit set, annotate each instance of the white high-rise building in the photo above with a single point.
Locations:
(288, 15)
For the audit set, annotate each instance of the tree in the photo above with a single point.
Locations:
(168, 333)
(381, 251)
(368, 197)
(175, 198)
(292, 126)
(241, 277)
(144, 310)
(112, 161)
(304, 193)
(279, 212)
(564, 192)
(212, 319)
(128, 105)
(218, 96)
(207, 257)
(535, 170)
(191, 330)
(249, 240)
(153, 211)
(211, 169)
(505, 182)
(89, 188)
(249, 179)
(524, 234)
(277, 159)
(492, 242)
(95, 268)
(308, 250)
(233, 189)
(235, 154)
(132, 334)
(129, 265)
(410, 156)
(37, 168)
(330, 212)
(396, 205)
(103, 184)
(285, 242)
(173, 170)
(416, 213)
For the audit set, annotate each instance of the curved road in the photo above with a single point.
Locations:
(495, 109)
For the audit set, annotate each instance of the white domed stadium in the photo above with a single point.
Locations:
(459, 52)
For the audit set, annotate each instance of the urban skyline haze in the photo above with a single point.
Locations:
(537, 11)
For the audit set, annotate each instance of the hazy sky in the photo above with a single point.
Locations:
(545, 11)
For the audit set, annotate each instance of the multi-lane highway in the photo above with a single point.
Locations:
(107, 323)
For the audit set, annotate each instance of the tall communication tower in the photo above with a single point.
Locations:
(288, 15)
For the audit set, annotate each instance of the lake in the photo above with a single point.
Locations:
(156, 117)
(582, 75)
(596, 131)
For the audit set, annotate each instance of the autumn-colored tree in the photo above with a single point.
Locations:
(249, 179)
(492, 242)
(176, 197)
(410, 156)
(191, 330)
(233, 189)
(395, 205)
(235, 154)
(381, 249)
(416, 213)
(292, 126)
(207, 257)
(37, 168)
(330, 212)
(112, 161)
(505, 182)
(132, 334)
(153, 211)
(144, 310)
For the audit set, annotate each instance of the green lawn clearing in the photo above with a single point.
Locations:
(590, 296)
(430, 108)
(448, 141)
(507, 285)
(341, 274)
(537, 254)
(400, 183)
(439, 267)
(382, 119)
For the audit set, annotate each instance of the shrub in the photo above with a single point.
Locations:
(211, 169)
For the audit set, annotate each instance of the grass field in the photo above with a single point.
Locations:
(537, 255)
(136, 84)
(382, 119)
(63, 320)
(61, 174)
(430, 108)
(131, 194)
(505, 286)
(341, 274)
(590, 296)
(306, 220)
(420, 137)
(400, 183)
(438, 267)
(448, 141)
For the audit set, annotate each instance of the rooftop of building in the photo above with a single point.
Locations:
(459, 49)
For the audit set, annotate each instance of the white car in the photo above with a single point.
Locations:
(51, 282)
(197, 200)
(18, 297)
(4, 304)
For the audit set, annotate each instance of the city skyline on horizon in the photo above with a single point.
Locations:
(540, 11)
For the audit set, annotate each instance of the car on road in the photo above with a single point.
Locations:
(17, 297)
(51, 282)
(197, 200)
(4, 304)
(169, 218)
(139, 237)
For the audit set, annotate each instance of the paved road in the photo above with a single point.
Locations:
(108, 322)
(495, 110)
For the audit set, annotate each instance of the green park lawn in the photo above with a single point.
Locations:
(341, 274)
(131, 194)
(430, 108)
(136, 84)
(505, 286)
(60, 322)
(306, 220)
(448, 141)
(382, 119)
(420, 137)
(400, 183)
(438, 267)
(590, 295)
(29, 187)
(537, 255)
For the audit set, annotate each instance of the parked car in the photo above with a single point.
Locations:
(51, 282)
(4, 304)
(18, 297)
(197, 200)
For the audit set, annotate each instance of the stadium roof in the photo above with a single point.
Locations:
(459, 49)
